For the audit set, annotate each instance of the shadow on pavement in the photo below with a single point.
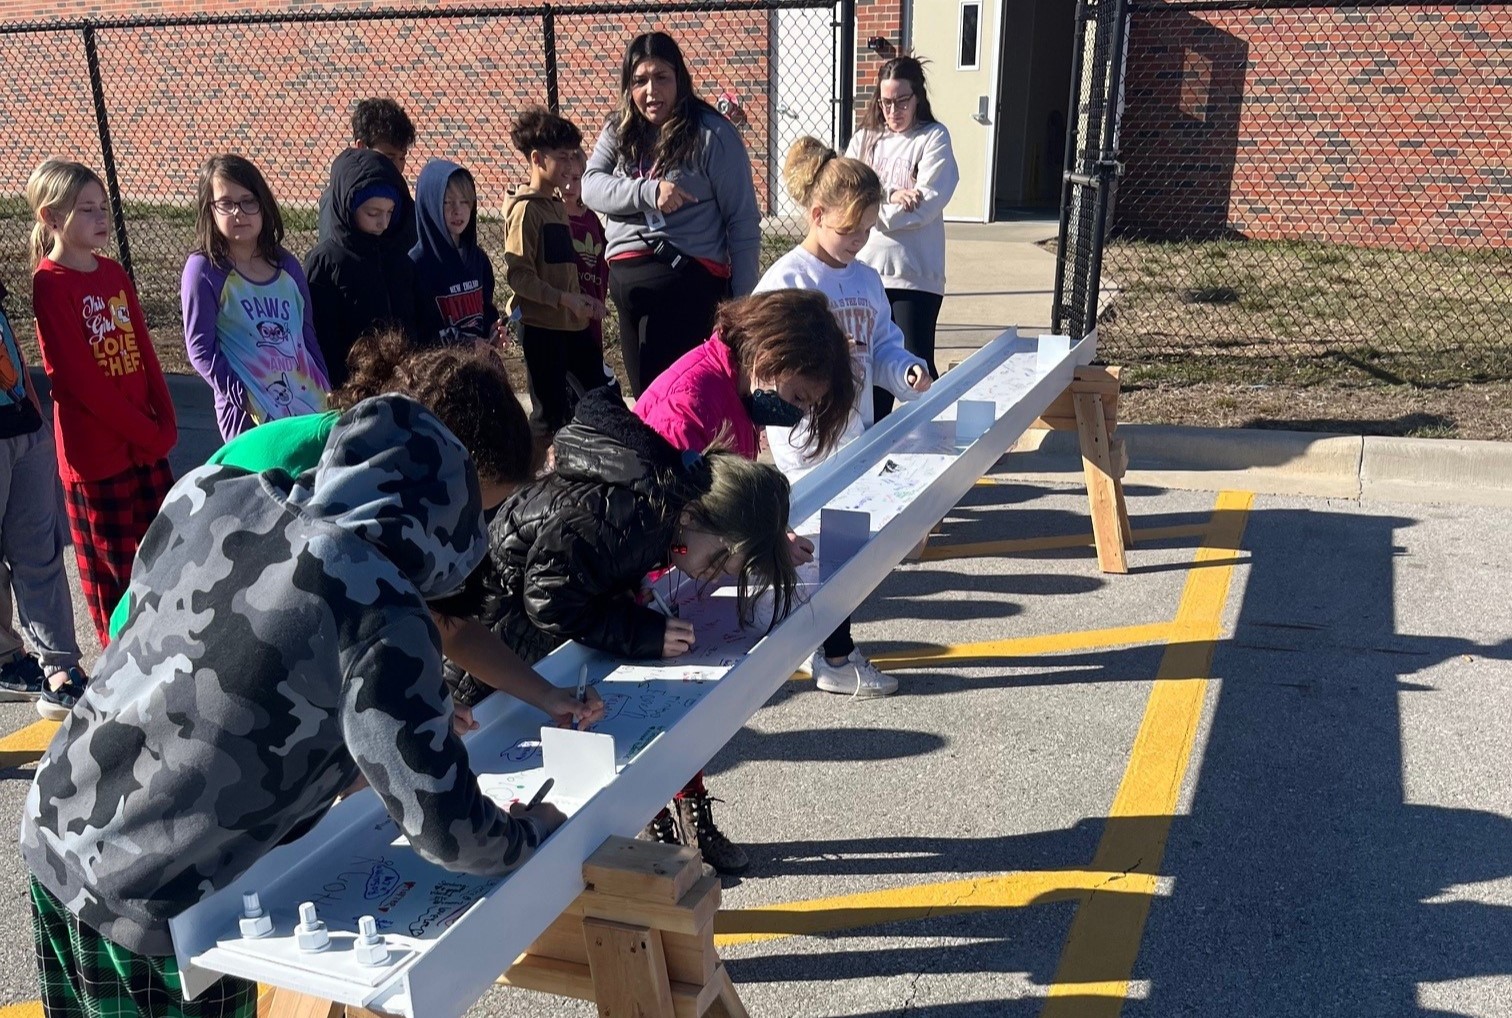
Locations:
(1302, 882)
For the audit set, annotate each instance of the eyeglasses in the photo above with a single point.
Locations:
(900, 103)
(227, 207)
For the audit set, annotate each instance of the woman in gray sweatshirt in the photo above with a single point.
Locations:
(672, 180)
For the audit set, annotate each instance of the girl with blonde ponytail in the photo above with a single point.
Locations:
(114, 422)
(842, 198)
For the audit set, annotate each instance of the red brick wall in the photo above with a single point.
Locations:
(875, 18)
(282, 94)
(1386, 126)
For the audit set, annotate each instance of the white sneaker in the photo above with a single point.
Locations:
(858, 677)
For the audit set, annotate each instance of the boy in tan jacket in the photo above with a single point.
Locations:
(541, 268)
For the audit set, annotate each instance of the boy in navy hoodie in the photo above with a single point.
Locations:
(360, 276)
(454, 280)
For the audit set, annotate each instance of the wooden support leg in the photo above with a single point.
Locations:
(280, 1003)
(1120, 467)
(727, 1004)
(1097, 465)
(629, 970)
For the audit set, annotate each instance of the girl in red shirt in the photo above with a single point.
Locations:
(113, 421)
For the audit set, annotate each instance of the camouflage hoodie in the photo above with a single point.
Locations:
(279, 643)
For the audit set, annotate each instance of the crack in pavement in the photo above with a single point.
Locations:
(1117, 876)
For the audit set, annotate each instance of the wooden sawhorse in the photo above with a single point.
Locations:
(1090, 408)
(639, 942)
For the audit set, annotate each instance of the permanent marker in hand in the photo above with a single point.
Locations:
(661, 603)
(582, 689)
(535, 800)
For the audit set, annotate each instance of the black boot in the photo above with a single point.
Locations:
(695, 815)
(662, 829)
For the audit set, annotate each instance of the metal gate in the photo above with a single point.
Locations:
(1091, 171)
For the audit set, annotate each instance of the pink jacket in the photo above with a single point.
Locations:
(696, 397)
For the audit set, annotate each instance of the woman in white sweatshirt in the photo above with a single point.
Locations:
(910, 150)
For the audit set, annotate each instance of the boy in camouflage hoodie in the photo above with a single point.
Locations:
(278, 647)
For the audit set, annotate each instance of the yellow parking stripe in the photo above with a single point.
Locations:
(1024, 545)
(26, 746)
(1020, 646)
(900, 904)
(1106, 933)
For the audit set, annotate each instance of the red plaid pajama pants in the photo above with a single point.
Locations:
(107, 519)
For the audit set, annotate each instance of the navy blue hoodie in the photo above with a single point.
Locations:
(358, 282)
(454, 284)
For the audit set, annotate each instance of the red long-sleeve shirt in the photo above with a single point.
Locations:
(111, 404)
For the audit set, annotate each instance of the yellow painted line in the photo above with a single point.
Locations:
(26, 746)
(1022, 646)
(901, 904)
(1024, 545)
(30, 1009)
(1106, 933)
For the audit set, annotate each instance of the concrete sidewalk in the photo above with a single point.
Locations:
(996, 275)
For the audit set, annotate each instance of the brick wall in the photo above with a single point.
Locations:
(875, 18)
(282, 93)
(1382, 126)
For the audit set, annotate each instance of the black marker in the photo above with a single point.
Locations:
(535, 800)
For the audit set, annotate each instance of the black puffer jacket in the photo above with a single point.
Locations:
(567, 554)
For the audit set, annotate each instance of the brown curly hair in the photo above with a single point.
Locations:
(792, 332)
(463, 384)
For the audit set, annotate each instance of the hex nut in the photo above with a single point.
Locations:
(371, 954)
(312, 939)
(253, 927)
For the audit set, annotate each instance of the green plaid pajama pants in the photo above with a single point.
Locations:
(83, 975)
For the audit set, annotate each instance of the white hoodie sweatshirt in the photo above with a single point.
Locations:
(859, 304)
(908, 248)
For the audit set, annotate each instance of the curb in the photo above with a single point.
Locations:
(1312, 464)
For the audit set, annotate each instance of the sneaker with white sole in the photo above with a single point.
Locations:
(57, 704)
(857, 677)
(21, 679)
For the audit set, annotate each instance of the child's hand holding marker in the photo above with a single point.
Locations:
(800, 549)
(566, 709)
(542, 812)
(677, 638)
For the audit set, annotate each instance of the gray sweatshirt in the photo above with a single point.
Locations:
(723, 225)
(278, 644)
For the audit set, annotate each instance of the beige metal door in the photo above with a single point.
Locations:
(960, 38)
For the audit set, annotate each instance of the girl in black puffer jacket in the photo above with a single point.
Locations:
(569, 553)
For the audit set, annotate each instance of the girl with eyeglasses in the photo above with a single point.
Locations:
(249, 324)
(910, 151)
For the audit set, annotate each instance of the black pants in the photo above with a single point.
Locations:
(840, 643)
(915, 313)
(663, 313)
(549, 355)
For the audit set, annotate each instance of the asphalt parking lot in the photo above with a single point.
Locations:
(1263, 774)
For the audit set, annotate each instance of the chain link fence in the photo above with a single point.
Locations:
(145, 101)
(1311, 190)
